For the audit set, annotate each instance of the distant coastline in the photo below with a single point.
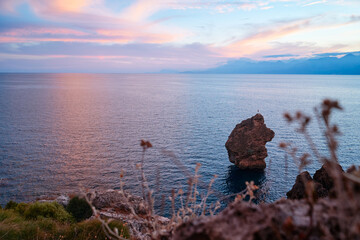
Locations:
(337, 64)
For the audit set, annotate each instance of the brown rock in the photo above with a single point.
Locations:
(322, 176)
(324, 183)
(353, 178)
(284, 219)
(246, 143)
(119, 201)
(298, 190)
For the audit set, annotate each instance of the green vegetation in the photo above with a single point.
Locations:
(49, 221)
(50, 210)
(11, 205)
(79, 208)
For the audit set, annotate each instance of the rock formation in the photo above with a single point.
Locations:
(120, 202)
(284, 219)
(322, 176)
(330, 218)
(323, 183)
(246, 143)
(298, 190)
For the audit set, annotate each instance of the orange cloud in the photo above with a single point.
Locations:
(60, 5)
(48, 5)
(70, 5)
(142, 9)
(260, 41)
(137, 36)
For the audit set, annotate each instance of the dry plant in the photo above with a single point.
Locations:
(190, 207)
(331, 131)
(247, 193)
(110, 233)
(191, 204)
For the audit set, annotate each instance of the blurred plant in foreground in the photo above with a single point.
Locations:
(191, 204)
(330, 163)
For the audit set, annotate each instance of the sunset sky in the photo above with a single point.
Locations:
(151, 35)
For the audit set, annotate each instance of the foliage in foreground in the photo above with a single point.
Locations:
(79, 208)
(49, 221)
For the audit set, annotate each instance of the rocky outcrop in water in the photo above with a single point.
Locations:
(298, 190)
(323, 183)
(246, 143)
(322, 176)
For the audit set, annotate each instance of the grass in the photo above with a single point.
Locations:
(50, 221)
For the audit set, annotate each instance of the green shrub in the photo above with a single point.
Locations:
(47, 210)
(21, 208)
(11, 205)
(79, 209)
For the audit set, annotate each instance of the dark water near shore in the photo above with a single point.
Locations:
(62, 131)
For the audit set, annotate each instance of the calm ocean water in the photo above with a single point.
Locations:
(62, 131)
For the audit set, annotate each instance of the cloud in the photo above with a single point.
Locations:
(101, 36)
(49, 6)
(107, 58)
(220, 6)
(314, 3)
(146, 33)
(355, 18)
(82, 24)
(260, 40)
(264, 39)
(40, 31)
(296, 50)
(142, 9)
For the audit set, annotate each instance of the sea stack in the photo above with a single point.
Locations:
(246, 143)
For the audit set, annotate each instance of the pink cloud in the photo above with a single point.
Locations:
(140, 36)
(264, 39)
(137, 57)
(44, 34)
(259, 40)
(59, 5)
(91, 22)
(142, 9)
(30, 31)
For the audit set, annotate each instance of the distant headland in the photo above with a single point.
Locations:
(337, 64)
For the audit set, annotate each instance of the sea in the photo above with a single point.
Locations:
(70, 133)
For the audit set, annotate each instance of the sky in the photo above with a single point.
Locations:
(141, 36)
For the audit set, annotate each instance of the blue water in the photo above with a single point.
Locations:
(59, 132)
